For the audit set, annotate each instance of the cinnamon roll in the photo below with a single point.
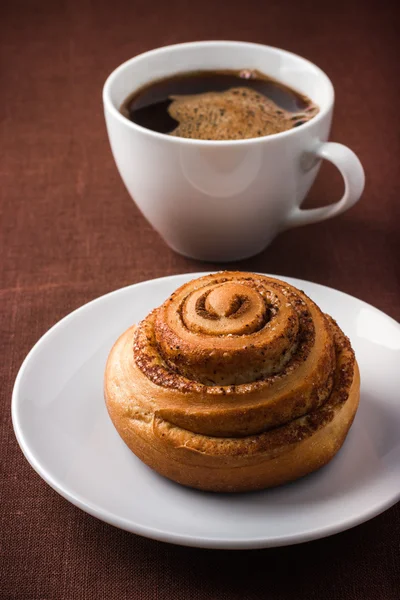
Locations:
(237, 382)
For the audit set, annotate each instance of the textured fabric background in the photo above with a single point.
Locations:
(70, 233)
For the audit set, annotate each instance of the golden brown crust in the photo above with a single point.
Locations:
(290, 416)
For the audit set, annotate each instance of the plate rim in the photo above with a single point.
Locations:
(165, 535)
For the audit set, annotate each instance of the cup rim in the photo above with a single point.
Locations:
(109, 105)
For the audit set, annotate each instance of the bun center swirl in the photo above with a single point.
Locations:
(225, 309)
(227, 332)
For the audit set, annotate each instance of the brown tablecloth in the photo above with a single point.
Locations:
(70, 233)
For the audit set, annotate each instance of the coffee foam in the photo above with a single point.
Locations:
(238, 113)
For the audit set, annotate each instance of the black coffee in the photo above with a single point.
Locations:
(218, 105)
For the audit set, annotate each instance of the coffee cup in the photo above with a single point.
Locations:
(225, 200)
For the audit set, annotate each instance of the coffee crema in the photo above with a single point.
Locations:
(218, 105)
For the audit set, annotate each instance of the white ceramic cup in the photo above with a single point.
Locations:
(226, 200)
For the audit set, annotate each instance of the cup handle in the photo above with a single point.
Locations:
(354, 179)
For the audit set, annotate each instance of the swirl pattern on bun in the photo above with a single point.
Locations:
(237, 382)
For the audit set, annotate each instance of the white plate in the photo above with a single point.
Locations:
(63, 428)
